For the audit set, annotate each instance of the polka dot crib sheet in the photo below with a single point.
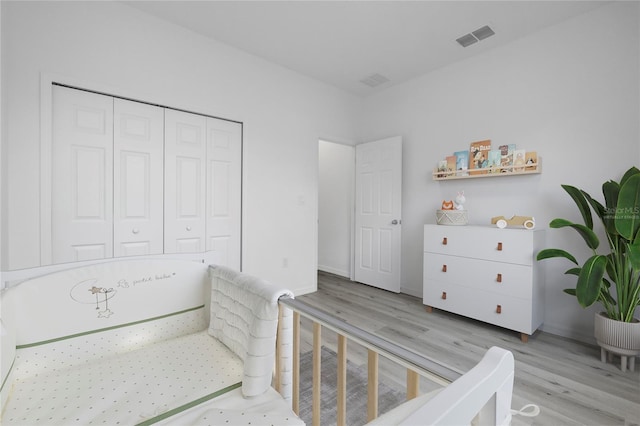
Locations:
(268, 409)
(130, 388)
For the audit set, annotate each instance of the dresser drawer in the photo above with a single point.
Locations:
(500, 310)
(490, 243)
(503, 278)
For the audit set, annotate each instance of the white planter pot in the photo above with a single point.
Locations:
(618, 337)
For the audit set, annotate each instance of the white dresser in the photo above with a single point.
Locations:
(485, 273)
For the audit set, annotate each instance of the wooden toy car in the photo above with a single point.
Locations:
(502, 222)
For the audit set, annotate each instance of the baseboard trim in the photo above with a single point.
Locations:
(306, 290)
(569, 334)
(334, 271)
(411, 292)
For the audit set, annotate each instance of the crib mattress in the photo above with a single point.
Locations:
(145, 386)
(268, 409)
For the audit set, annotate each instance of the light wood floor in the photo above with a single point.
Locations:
(563, 377)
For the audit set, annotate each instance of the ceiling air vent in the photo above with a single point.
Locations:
(374, 80)
(467, 40)
(482, 33)
(475, 36)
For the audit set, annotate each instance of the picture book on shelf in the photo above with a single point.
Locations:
(451, 165)
(442, 168)
(506, 152)
(531, 157)
(479, 156)
(462, 163)
(518, 160)
(495, 161)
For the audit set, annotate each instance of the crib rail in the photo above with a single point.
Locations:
(416, 364)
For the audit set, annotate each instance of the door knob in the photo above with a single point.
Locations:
(395, 222)
(135, 230)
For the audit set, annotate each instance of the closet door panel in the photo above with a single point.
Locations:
(82, 176)
(185, 182)
(138, 178)
(224, 190)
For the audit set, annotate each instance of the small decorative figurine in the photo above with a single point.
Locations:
(453, 213)
(501, 222)
(447, 205)
(460, 200)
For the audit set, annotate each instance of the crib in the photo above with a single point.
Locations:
(173, 341)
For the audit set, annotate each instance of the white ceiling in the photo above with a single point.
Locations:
(343, 42)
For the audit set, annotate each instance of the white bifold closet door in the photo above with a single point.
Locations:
(224, 190)
(185, 151)
(202, 186)
(129, 179)
(82, 176)
(138, 145)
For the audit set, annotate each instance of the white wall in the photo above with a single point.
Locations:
(335, 207)
(112, 45)
(2, 138)
(570, 92)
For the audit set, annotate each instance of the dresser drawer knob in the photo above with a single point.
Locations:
(444, 295)
(499, 278)
(444, 268)
(499, 309)
(444, 241)
(499, 246)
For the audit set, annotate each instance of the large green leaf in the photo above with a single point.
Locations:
(590, 238)
(590, 280)
(549, 253)
(582, 204)
(610, 190)
(573, 271)
(632, 171)
(634, 254)
(628, 211)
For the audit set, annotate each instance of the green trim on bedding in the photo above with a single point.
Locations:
(4, 382)
(84, 333)
(188, 405)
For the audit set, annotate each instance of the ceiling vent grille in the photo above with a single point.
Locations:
(467, 40)
(482, 33)
(374, 80)
(475, 36)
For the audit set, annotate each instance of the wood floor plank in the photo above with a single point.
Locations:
(565, 378)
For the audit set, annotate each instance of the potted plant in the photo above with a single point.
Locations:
(612, 277)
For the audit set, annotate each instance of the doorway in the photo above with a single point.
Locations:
(336, 171)
(359, 211)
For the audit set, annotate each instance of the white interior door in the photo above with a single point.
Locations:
(378, 210)
(82, 176)
(138, 144)
(224, 190)
(185, 174)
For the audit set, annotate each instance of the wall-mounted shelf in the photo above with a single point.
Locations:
(528, 169)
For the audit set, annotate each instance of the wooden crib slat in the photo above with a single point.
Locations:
(372, 385)
(342, 381)
(317, 353)
(413, 384)
(295, 399)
